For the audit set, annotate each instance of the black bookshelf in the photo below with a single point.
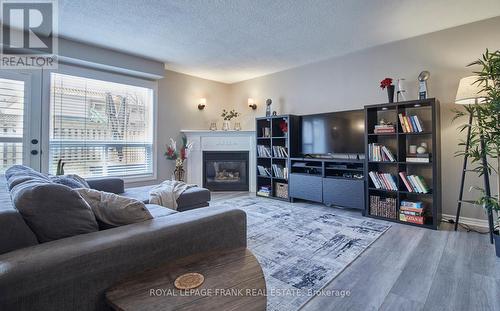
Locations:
(274, 137)
(398, 142)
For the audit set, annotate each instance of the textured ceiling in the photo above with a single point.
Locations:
(234, 40)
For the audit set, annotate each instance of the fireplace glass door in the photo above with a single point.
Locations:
(225, 170)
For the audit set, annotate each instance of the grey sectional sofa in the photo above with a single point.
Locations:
(73, 273)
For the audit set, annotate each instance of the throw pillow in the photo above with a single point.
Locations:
(115, 210)
(73, 181)
(53, 211)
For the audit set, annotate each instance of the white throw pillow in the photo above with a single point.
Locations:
(115, 210)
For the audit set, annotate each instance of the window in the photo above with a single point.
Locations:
(100, 128)
(11, 122)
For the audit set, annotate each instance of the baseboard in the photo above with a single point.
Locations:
(468, 221)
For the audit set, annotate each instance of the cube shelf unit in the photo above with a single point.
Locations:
(274, 138)
(429, 114)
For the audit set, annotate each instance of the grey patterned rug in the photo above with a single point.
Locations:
(302, 248)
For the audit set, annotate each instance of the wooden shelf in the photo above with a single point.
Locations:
(419, 133)
(262, 176)
(425, 225)
(277, 138)
(399, 142)
(383, 190)
(383, 134)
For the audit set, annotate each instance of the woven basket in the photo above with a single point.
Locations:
(281, 190)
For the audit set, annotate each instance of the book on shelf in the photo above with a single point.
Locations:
(264, 191)
(266, 132)
(280, 152)
(410, 211)
(410, 124)
(414, 183)
(383, 207)
(384, 129)
(263, 171)
(280, 171)
(418, 157)
(384, 181)
(380, 153)
(419, 220)
(411, 204)
(264, 151)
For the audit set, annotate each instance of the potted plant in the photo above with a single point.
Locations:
(387, 84)
(227, 115)
(178, 156)
(487, 125)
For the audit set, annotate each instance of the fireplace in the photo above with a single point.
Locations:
(225, 170)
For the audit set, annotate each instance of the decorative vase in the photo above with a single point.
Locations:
(390, 93)
(237, 126)
(226, 125)
(179, 173)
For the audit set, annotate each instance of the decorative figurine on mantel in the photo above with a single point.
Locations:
(268, 107)
(178, 156)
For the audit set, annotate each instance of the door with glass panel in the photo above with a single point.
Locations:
(19, 119)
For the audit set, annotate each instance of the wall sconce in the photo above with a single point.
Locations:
(202, 104)
(252, 104)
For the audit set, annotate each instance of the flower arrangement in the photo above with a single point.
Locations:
(227, 115)
(283, 127)
(173, 154)
(178, 156)
(385, 83)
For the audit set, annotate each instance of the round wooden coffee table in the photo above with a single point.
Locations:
(233, 281)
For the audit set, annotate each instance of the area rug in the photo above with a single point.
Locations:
(301, 248)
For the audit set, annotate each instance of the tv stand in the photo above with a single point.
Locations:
(339, 182)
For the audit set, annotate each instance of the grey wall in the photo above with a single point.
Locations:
(352, 81)
(178, 97)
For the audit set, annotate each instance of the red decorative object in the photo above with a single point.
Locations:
(284, 127)
(385, 83)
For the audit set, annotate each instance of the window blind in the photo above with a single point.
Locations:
(11, 123)
(100, 128)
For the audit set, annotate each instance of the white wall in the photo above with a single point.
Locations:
(178, 97)
(352, 81)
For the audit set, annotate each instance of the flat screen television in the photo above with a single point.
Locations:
(333, 133)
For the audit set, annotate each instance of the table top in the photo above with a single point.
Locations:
(233, 281)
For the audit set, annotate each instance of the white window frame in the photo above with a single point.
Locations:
(105, 76)
(32, 111)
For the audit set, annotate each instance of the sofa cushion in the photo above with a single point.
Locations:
(53, 211)
(159, 211)
(18, 173)
(114, 210)
(195, 196)
(73, 181)
(14, 233)
(138, 193)
(108, 184)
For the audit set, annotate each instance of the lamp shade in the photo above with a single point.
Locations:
(469, 92)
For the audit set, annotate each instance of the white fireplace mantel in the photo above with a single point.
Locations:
(204, 140)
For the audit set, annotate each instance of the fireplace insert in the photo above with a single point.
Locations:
(225, 170)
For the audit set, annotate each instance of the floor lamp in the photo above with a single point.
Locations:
(469, 93)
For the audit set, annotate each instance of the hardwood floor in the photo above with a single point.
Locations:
(410, 268)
